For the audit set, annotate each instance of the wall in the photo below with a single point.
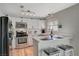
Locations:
(1, 14)
(31, 23)
(69, 18)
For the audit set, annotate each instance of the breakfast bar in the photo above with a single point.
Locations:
(41, 43)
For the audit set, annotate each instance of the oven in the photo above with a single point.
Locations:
(21, 37)
(22, 40)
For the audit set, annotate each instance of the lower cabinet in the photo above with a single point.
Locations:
(30, 40)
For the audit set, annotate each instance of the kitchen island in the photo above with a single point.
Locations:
(41, 42)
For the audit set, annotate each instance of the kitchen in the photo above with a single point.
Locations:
(29, 34)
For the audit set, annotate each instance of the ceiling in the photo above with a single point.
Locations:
(40, 9)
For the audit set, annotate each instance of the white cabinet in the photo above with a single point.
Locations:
(39, 44)
(30, 40)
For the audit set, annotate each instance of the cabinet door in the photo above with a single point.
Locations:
(30, 40)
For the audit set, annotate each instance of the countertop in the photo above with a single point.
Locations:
(38, 38)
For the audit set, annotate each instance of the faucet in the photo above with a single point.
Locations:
(51, 34)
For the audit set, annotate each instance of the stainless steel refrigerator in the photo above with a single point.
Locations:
(4, 47)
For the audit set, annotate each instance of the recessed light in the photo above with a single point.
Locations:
(21, 6)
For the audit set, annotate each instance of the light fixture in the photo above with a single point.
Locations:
(26, 12)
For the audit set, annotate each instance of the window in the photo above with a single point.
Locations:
(53, 26)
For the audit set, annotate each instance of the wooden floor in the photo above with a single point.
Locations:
(24, 51)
